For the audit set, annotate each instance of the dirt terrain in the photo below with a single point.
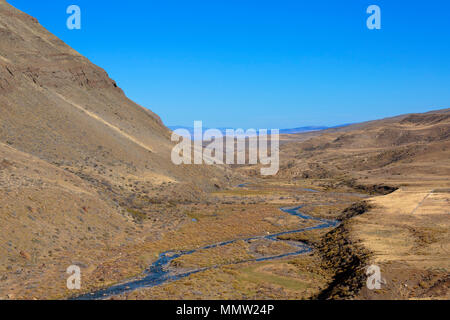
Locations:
(86, 179)
(406, 231)
(84, 171)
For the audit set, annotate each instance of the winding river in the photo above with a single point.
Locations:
(159, 273)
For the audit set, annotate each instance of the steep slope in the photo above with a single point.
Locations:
(63, 109)
(85, 173)
(49, 218)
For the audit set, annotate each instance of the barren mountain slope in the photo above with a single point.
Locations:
(408, 145)
(85, 173)
(60, 107)
(48, 218)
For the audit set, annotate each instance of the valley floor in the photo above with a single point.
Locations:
(405, 233)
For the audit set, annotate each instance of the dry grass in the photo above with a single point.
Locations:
(410, 229)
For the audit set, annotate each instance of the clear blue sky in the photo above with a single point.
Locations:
(264, 64)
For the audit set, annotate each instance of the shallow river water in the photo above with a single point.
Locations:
(159, 273)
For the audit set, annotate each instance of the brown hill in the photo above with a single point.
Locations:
(80, 163)
(404, 232)
(407, 145)
(63, 109)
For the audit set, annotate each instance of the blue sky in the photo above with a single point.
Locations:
(264, 64)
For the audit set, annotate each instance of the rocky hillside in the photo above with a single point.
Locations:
(407, 145)
(58, 106)
(83, 169)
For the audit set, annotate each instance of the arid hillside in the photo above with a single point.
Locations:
(86, 179)
(406, 146)
(84, 171)
(58, 106)
(404, 232)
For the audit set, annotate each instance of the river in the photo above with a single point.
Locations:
(159, 273)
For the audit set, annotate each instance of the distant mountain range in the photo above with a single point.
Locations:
(282, 131)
